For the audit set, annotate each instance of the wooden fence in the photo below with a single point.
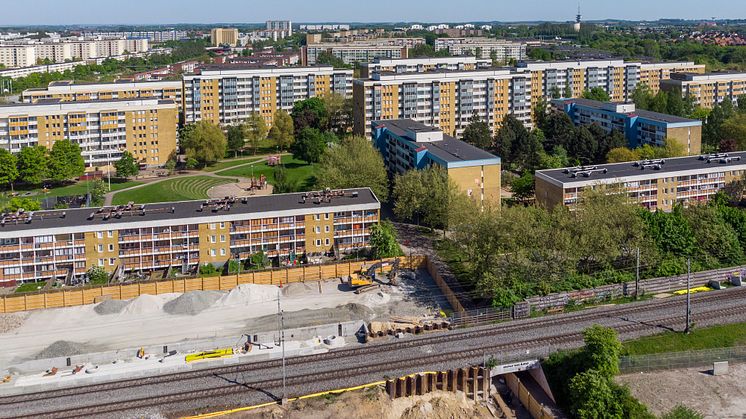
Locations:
(88, 295)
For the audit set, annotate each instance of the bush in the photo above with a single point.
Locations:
(98, 275)
(207, 270)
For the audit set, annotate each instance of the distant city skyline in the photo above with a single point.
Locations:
(70, 12)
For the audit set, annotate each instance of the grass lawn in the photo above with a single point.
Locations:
(724, 336)
(178, 189)
(227, 164)
(297, 170)
(30, 287)
(79, 188)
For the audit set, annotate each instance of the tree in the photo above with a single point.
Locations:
(592, 397)
(621, 154)
(567, 93)
(309, 145)
(255, 130)
(523, 187)
(282, 182)
(205, 143)
(642, 96)
(127, 166)
(597, 93)
(477, 133)
(734, 128)
(282, 131)
(98, 191)
(33, 164)
(339, 110)
(16, 203)
(98, 275)
(602, 350)
(354, 163)
(383, 240)
(8, 167)
(65, 161)
(310, 113)
(235, 138)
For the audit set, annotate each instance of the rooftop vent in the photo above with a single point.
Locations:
(722, 158)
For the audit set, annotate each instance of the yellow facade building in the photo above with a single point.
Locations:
(224, 36)
(707, 89)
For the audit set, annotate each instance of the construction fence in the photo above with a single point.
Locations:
(627, 289)
(90, 294)
(674, 360)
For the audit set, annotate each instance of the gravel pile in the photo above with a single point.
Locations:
(11, 321)
(144, 304)
(110, 307)
(192, 303)
(64, 348)
(249, 293)
(306, 318)
(299, 289)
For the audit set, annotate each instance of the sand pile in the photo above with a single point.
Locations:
(306, 318)
(11, 321)
(248, 294)
(64, 348)
(377, 298)
(192, 303)
(299, 289)
(144, 304)
(110, 307)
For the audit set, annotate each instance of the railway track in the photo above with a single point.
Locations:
(410, 364)
(403, 363)
(474, 333)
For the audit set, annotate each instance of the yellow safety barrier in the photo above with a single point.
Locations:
(693, 290)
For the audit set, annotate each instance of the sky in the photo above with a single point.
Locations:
(61, 12)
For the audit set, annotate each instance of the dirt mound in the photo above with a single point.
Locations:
(143, 304)
(308, 317)
(110, 307)
(249, 293)
(192, 303)
(64, 348)
(377, 299)
(298, 289)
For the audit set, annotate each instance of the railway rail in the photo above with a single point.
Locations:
(403, 363)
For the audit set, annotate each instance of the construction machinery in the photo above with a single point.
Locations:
(369, 276)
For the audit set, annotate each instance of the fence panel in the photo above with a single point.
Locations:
(675, 360)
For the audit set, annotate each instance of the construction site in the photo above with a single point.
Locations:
(152, 334)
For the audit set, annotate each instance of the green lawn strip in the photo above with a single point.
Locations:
(722, 336)
(297, 170)
(30, 287)
(79, 188)
(177, 189)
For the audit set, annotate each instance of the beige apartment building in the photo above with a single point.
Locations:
(421, 65)
(224, 36)
(103, 128)
(707, 89)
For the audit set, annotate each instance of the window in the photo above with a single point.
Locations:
(222, 225)
(100, 262)
(111, 247)
(326, 242)
(326, 216)
(316, 217)
(212, 239)
(317, 229)
(212, 252)
(222, 238)
(100, 234)
(109, 234)
(318, 242)
(222, 252)
(212, 226)
(100, 248)
(112, 261)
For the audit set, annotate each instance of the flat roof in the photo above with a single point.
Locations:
(595, 104)
(679, 166)
(449, 149)
(187, 212)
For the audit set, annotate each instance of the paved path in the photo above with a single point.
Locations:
(109, 197)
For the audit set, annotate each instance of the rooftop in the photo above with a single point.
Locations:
(82, 103)
(651, 168)
(184, 212)
(615, 106)
(449, 149)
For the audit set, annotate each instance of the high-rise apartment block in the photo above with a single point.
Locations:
(35, 246)
(444, 99)
(103, 129)
(707, 89)
(409, 145)
(639, 126)
(12, 56)
(280, 26)
(653, 184)
(361, 51)
(224, 36)
(228, 94)
(485, 48)
(421, 65)
(69, 49)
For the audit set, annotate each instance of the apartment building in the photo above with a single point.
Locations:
(13, 56)
(639, 126)
(554, 79)
(707, 89)
(421, 65)
(360, 51)
(485, 48)
(409, 145)
(442, 99)
(36, 246)
(281, 26)
(656, 185)
(224, 36)
(103, 128)
(70, 91)
(228, 94)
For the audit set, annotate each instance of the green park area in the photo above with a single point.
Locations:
(75, 189)
(177, 189)
(722, 336)
(297, 172)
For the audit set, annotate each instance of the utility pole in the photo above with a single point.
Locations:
(688, 294)
(281, 323)
(637, 276)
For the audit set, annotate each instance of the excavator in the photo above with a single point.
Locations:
(366, 278)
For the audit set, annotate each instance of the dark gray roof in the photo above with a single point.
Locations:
(627, 169)
(172, 212)
(656, 116)
(449, 149)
